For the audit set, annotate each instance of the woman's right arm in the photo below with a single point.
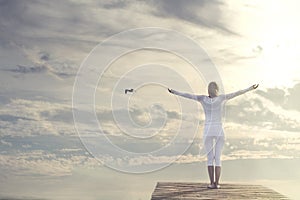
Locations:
(186, 95)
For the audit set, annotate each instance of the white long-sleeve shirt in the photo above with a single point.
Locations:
(213, 107)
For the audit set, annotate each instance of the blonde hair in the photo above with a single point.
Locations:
(213, 89)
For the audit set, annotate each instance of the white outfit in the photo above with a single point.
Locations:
(213, 135)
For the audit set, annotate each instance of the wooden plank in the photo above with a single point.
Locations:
(199, 191)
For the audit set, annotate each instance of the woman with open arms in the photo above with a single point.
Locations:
(213, 136)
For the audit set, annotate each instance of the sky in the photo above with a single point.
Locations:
(68, 131)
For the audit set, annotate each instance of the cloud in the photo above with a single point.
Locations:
(38, 136)
(287, 98)
(58, 115)
(21, 198)
(43, 156)
(42, 63)
(115, 4)
(278, 96)
(39, 163)
(140, 115)
(3, 142)
(20, 117)
(32, 109)
(68, 20)
(44, 56)
(52, 156)
(80, 25)
(54, 37)
(205, 13)
(30, 69)
(57, 156)
(292, 99)
(12, 118)
(266, 109)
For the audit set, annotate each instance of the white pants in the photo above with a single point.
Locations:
(213, 147)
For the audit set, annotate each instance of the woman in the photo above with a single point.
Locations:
(213, 136)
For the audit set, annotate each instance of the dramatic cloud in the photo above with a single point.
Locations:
(267, 109)
(274, 94)
(287, 98)
(205, 13)
(35, 15)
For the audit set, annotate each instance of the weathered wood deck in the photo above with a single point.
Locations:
(192, 191)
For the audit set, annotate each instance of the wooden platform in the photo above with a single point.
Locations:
(191, 191)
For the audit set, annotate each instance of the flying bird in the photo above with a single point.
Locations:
(128, 90)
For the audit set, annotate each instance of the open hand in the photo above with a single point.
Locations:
(255, 86)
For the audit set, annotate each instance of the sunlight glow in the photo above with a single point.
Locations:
(278, 38)
(271, 28)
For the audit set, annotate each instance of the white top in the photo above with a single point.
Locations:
(213, 107)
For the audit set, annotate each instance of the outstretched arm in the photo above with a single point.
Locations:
(186, 95)
(234, 94)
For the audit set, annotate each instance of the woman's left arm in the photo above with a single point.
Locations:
(240, 92)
